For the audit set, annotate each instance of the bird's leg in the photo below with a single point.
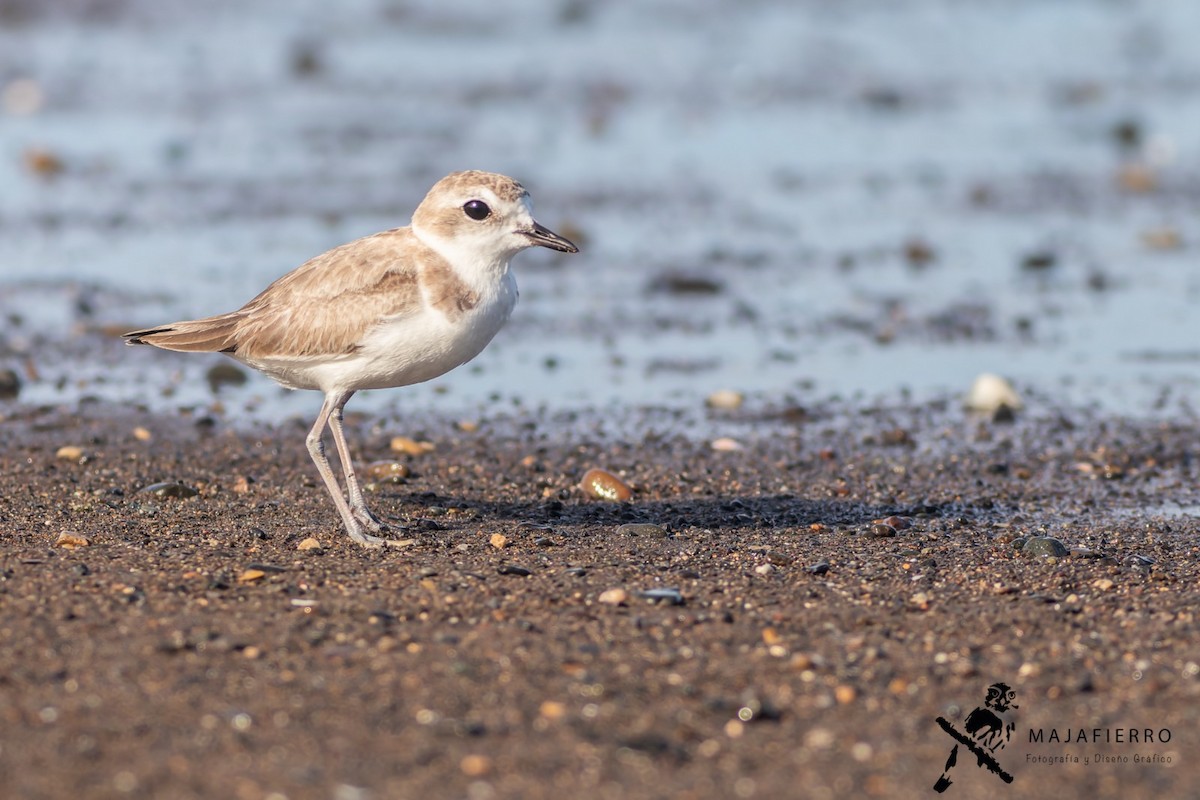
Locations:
(358, 506)
(331, 408)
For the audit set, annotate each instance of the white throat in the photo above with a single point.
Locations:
(474, 261)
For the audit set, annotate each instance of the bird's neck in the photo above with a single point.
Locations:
(478, 268)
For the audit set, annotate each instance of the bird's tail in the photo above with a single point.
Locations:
(210, 335)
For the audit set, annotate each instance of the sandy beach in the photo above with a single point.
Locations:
(805, 229)
(787, 619)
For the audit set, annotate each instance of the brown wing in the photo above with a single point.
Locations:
(323, 307)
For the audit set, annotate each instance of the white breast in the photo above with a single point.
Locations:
(419, 347)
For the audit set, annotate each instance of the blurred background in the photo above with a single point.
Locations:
(799, 201)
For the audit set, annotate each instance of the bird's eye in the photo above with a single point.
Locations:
(477, 210)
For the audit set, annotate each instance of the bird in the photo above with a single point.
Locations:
(391, 309)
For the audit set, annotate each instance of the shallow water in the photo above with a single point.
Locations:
(794, 200)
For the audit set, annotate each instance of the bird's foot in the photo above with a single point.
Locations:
(372, 542)
(363, 516)
(363, 527)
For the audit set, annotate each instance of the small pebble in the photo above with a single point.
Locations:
(1039, 260)
(764, 569)
(725, 399)
(1137, 178)
(614, 597)
(1139, 562)
(10, 384)
(726, 445)
(71, 541)
(819, 568)
(681, 283)
(989, 393)
(403, 444)
(643, 529)
(552, 710)
(879, 530)
(498, 541)
(919, 253)
(512, 569)
(603, 485)
(169, 489)
(475, 766)
(671, 596)
(69, 453)
(1162, 238)
(142, 435)
(774, 556)
(308, 545)
(305, 61)
(387, 471)
(1044, 546)
(467, 426)
(224, 374)
(251, 575)
(266, 567)
(1103, 584)
(43, 162)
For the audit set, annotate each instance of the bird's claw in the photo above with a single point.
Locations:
(363, 516)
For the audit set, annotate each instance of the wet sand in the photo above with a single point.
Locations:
(812, 205)
(191, 649)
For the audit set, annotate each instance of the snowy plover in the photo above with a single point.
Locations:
(391, 309)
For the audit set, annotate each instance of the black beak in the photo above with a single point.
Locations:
(544, 237)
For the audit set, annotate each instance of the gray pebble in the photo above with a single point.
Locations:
(643, 529)
(1139, 562)
(1044, 546)
(224, 374)
(169, 489)
(774, 556)
(266, 567)
(512, 569)
(10, 384)
(671, 596)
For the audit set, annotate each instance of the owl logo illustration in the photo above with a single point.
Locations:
(985, 731)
